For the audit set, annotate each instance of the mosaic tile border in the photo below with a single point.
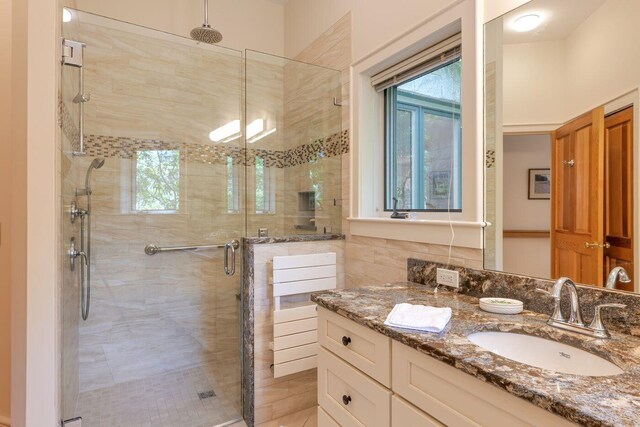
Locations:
(66, 123)
(125, 147)
(490, 158)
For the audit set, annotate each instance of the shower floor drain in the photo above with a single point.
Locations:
(206, 394)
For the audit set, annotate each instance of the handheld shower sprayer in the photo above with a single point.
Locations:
(85, 243)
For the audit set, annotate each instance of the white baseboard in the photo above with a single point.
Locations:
(5, 421)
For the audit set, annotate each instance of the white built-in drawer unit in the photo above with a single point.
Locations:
(420, 390)
(458, 399)
(364, 348)
(350, 397)
(295, 335)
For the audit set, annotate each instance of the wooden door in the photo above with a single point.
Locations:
(618, 193)
(577, 196)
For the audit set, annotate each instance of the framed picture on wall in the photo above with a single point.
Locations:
(539, 184)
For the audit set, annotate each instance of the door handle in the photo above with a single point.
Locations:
(230, 270)
(596, 245)
(569, 163)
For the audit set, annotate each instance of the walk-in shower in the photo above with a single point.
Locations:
(163, 217)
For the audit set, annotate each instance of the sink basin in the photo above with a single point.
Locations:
(545, 354)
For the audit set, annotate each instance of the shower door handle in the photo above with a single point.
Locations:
(230, 247)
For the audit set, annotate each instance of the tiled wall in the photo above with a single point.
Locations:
(277, 397)
(333, 50)
(296, 99)
(310, 112)
(490, 204)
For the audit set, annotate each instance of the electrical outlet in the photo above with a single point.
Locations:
(448, 277)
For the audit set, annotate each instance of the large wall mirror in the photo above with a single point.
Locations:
(561, 118)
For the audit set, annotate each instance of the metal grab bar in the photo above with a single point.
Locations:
(152, 249)
(229, 246)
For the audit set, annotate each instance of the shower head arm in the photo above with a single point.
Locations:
(206, 13)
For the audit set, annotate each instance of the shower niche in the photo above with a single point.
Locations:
(306, 219)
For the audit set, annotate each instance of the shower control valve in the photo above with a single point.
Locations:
(74, 253)
(75, 212)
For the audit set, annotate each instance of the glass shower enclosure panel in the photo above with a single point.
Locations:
(157, 195)
(294, 146)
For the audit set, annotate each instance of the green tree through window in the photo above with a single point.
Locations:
(157, 180)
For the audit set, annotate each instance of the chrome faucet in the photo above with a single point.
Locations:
(617, 274)
(595, 329)
(575, 316)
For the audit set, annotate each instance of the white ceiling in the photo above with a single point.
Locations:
(560, 18)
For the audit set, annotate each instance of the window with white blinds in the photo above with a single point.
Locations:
(434, 57)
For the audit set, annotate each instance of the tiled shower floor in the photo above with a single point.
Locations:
(170, 400)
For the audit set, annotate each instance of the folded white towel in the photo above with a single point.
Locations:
(419, 317)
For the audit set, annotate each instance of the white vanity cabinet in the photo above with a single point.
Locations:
(368, 379)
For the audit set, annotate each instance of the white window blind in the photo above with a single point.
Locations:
(420, 63)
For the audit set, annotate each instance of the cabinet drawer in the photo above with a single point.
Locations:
(455, 398)
(364, 348)
(325, 420)
(405, 414)
(350, 397)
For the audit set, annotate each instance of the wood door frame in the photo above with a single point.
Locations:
(630, 98)
(614, 119)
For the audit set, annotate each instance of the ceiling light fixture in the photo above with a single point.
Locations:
(527, 22)
(66, 15)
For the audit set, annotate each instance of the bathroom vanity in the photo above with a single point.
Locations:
(374, 375)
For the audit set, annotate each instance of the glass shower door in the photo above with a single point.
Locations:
(161, 343)
(295, 145)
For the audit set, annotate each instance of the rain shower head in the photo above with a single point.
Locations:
(205, 33)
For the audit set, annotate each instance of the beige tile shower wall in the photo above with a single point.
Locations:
(310, 114)
(276, 397)
(264, 100)
(147, 88)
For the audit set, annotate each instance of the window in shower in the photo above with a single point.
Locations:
(233, 186)
(265, 187)
(157, 181)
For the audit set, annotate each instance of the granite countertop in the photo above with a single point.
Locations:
(590, 401)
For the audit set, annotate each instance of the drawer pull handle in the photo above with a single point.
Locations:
(346, 399)
(346, 341)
